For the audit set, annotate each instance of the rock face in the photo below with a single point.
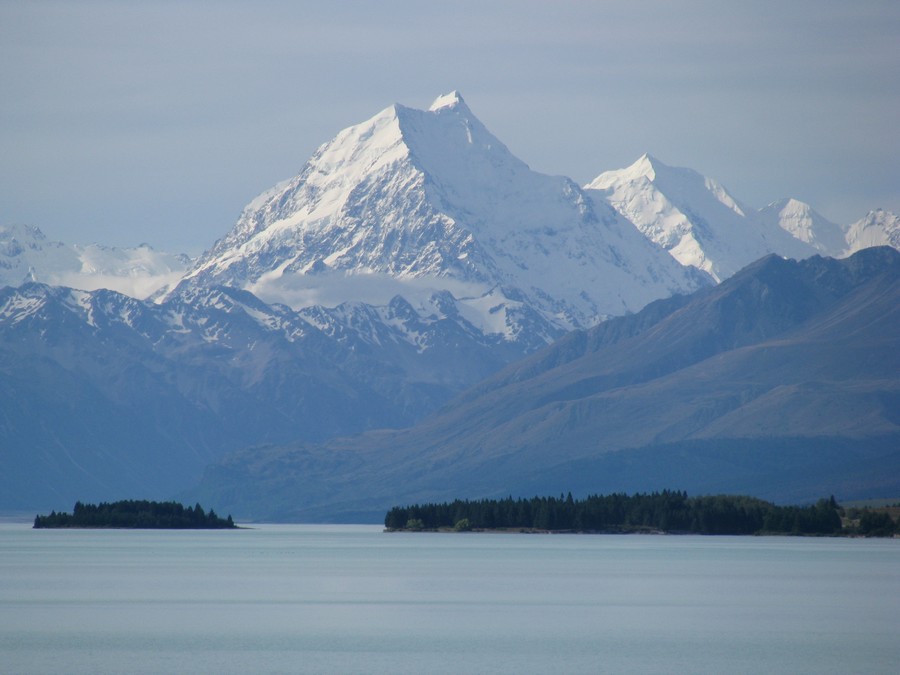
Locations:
(779, 382)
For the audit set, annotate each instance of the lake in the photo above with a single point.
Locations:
(352, 599)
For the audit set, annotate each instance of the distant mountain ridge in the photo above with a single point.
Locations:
(702, 225)
(781, 381)
(26, 255)
(693, 217)
(809, 226)
(878, 228)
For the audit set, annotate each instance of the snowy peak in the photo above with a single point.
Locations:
(802, 222)
(696, 219)
(878, 228)
(415, 202)
(693, 217)
(793, 209)
(13, 237)
(396, 141)
(681, 185)
(451, 146)
(645, 167)
(452, 100)
(27, 255)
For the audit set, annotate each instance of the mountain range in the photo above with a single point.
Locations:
(26, 255)
(411, 257)
(106, 396)
(779, 382)
(413, 203)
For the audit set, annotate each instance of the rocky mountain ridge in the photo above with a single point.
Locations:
(779, 382)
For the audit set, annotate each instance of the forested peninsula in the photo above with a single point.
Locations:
(136, 514)
(663, 512)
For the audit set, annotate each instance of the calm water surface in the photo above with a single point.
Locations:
(351, 599)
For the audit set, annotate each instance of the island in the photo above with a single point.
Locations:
(669, 511)
(136, 514)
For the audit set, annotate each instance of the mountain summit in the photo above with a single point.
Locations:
(417, 202)
(694, 217)
(878, 228)
(452, 100)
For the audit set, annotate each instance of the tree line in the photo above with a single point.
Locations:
(666, 511)
(140, 514)
(874, 522)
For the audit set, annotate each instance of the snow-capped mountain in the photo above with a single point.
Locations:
(426, 203)
(806, 224)
(411, 257)
(878, 228)
(694, 217)
(27, 255)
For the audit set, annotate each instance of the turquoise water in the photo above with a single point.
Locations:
(345, 599)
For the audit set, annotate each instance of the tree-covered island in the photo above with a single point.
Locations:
(664, 512)
(136, 514)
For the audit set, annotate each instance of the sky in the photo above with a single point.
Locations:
(157, 121)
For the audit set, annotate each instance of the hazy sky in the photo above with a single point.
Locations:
(124, 122)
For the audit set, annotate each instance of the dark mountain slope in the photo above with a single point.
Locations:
(781, 360)
(106, 397)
